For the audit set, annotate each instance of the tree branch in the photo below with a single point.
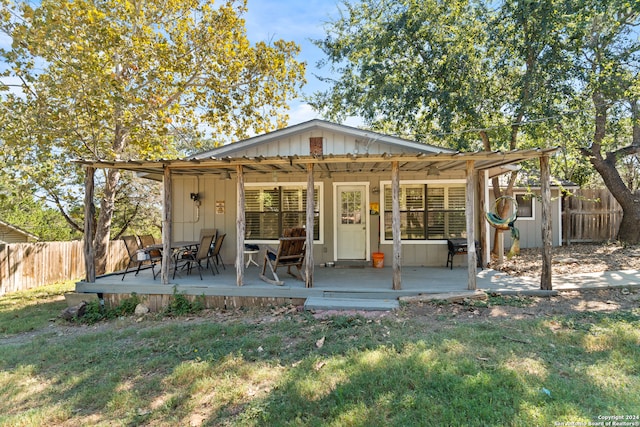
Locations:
(67, 218)
(127, 223)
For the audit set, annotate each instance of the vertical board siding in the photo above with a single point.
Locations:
(29, 265)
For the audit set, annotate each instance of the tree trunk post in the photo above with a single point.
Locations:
(240, 227)
(485, 233)
(470, 216)
(89, 225)
(167, 257)
(545, 178)
(395, 226)
(310, 229)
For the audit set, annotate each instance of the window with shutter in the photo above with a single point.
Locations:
(427, 211)
(270, 210)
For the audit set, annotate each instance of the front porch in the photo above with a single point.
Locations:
(366, 282)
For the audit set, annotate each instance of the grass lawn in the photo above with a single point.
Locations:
(286, 368)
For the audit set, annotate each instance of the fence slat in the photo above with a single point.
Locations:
(29, 265)
(592, 215)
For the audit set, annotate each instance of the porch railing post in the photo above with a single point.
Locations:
(308, 277)
(240, 227)
(545, 174)
(395, 226)
(166, 225)
(470, 216)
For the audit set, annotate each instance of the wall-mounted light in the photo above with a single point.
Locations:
(226, 176)
(375, 190)
(195, 196)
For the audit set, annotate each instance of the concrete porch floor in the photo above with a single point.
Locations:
(367, 282)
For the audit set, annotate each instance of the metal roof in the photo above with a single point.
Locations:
(351, 163)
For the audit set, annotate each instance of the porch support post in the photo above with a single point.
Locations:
(166, 225)
(89, 225)
(308, 268)
(240, 228)
(395, 226)
(485, 235)
(470, 215)
(545, 178)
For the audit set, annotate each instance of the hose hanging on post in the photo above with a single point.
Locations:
(508, 223)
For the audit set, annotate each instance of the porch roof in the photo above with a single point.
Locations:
(495, 162)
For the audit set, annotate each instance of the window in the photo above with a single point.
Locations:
(427, 212)
(525, 206)
(271, 210)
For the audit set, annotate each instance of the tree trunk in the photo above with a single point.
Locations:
(107, 204)
(629, 231)
(103, 226)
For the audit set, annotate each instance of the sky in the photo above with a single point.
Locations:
(299, 21)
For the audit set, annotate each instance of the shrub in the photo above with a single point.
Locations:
(181, 305)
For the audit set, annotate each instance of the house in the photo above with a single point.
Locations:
(13, 234)
(372, 193)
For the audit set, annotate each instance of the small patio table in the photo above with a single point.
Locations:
(176, 248)
(250, 251)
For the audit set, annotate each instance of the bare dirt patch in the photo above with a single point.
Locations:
(577, 258)
(523, 307)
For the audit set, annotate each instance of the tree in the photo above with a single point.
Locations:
(606, 53)
(119, 79)
(458, 72)
(497, 75)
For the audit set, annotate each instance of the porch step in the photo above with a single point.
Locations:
(320, 303)
(354, 295)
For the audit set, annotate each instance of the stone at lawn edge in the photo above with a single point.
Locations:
(141, 309)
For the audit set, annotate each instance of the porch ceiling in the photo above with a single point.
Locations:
(352, 163)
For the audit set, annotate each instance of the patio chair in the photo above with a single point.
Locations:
(205, 232)
(155, 254)
(290, 253)
(147, 240)
(138, 256)
(215, 253)
(191, 258)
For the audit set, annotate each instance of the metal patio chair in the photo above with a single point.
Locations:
(216, 258)
(138, 256)
(190, 258)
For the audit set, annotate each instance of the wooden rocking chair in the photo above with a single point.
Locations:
(290, 253)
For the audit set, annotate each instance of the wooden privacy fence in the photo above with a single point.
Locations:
(29, 265)
(591, 215)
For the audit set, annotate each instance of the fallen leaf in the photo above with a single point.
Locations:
(320, 342)
(319, 366)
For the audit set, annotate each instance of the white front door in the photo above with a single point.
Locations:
(351, 221)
